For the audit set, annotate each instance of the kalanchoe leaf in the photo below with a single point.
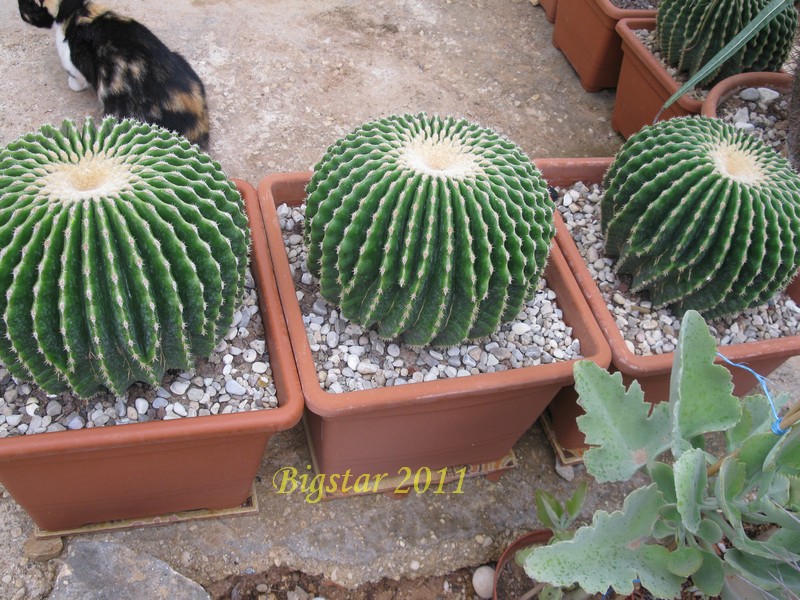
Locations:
(729, 486)
(684, 561)
(620, 539)
(785, 456)
(709, 531)
(757, 417)
(710, 577)
(701, 392)
(624, 437)
(664, 477)
(765, 572)
(690, 487)
(754, 451)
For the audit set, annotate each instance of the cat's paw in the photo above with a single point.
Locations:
(77, 85)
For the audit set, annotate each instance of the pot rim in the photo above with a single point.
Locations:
(781, 82)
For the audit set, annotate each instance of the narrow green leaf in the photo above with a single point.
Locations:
(617, 424)
(575, 503)
(548, 509)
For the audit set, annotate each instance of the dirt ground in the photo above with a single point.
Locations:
(285, 79)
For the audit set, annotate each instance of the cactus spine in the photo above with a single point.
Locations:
(435, 229)
(122, 253)
(690, 33)
(703, 215)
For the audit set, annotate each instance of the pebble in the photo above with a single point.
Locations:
(235, 388)
(750, 95)
(184, 395)
(483, 581)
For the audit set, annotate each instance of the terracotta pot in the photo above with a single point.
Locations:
(586, 33)
(464, 420)
(644, 84)
(652, 372)
(537, 538)
(781, 82)
(69, 479)
(550, 9)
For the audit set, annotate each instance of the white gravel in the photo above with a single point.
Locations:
(226, 382)
(761, 112)
(350, 358)
(647, 330)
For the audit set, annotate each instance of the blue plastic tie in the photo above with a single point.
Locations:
(776, 425)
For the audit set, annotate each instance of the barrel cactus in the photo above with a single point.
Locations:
(433, 229)
(690, 33)
(703, 215)
(123, 250)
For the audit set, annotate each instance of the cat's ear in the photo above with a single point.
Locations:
(36, 13)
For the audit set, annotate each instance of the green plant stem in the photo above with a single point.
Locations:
(531, 593)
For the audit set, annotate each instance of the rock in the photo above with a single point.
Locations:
(259, 367)
(483, 581)
(53, 408)
(141, 405)
(742, 115)
(235, 388)
(179, 387)
(195, 394)
(750, 95)
(92, 566)
(520, 328)
(43, 550)
(768, 95)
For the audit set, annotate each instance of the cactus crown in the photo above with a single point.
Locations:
(703, 215)
(122, 252)
(432, 228)
(689, 34)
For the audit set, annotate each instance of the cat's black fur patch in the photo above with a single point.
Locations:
(134, 73)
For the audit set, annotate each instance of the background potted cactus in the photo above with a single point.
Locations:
(688, 36)
(727, 166)
(693, 519)
(435, 230)
(585, 31)
(124, 255)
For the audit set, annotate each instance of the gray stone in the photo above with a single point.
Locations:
(235, 388)
(768, 95)
(109, 571)
(179, 387)
(750, 95)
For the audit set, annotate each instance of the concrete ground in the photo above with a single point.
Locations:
(284, 80)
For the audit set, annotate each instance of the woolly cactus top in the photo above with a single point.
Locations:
(703, 215)
(122, 253)
(430, 228)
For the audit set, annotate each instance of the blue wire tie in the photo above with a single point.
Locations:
(776, 425)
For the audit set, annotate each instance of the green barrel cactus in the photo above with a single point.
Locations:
(690, 33)
(123, 251)
(703, 215)
(434, 229)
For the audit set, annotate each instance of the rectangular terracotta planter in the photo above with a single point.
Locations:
(550, 9)
(586, 34)
(69, 479)
(434, 424)
(652, 372)
(644, 84)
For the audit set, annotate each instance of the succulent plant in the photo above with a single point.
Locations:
(689, 34)
(703, 215)
(432, 228)
(122, 253)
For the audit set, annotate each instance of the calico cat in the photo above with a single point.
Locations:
(134, 73)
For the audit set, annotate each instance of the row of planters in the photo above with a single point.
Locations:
(433, 232)
(125, 252)
(606, 46)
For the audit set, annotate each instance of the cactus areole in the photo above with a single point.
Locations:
(703, 215)
(434, 230)
(123, 250)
